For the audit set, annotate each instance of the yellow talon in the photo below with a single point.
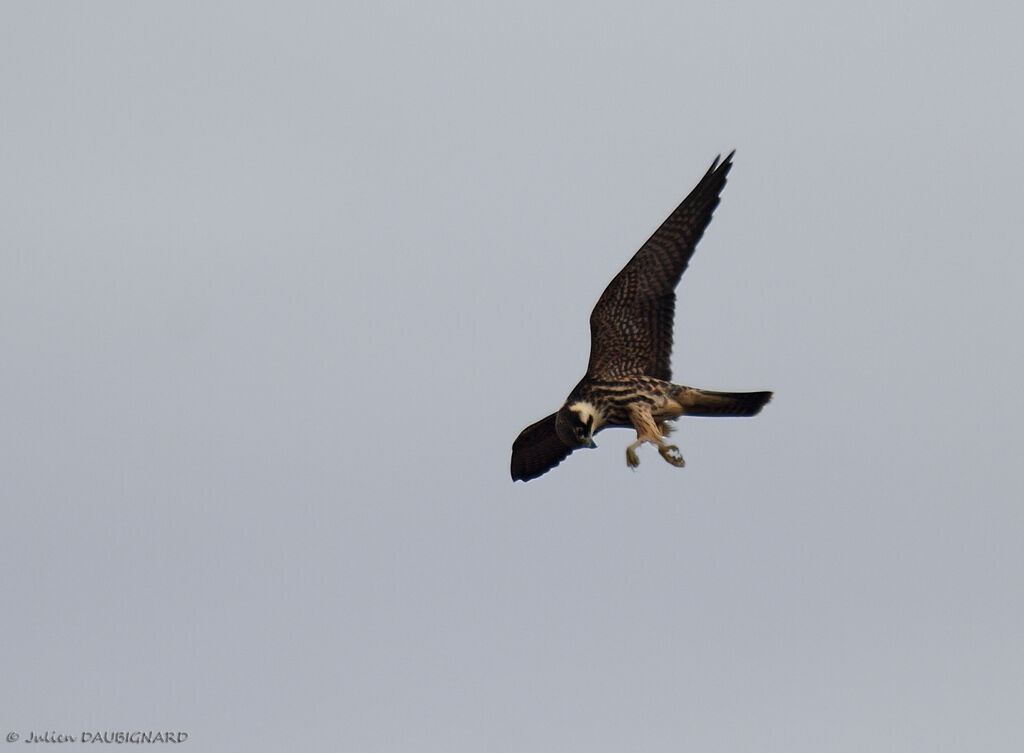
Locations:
(671, 454)
(631, 458)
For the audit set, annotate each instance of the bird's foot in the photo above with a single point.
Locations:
(632, 460)
(672, 454)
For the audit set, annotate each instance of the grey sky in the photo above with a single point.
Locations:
(280, 285)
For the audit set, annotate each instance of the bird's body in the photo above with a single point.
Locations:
(628, 380)
(613, 403)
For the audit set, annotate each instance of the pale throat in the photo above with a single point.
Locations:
(587, 411)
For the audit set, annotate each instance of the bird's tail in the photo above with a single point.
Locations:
(707, 403)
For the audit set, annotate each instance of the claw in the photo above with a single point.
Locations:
(631, 458)
(672, 454)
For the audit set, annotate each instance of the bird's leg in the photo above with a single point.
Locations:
(649, 430)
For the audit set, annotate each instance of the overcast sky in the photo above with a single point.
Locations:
(280, 284)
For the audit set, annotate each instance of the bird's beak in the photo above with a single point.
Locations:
(590, 443)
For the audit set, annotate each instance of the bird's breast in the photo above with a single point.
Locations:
(615, 399)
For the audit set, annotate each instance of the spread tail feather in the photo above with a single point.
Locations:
(707, 403)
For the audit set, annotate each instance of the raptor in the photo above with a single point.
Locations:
(629, 378)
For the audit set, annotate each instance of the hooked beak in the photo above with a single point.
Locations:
(590, 443)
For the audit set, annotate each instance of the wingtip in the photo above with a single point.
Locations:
(722, 168)
(721, 165)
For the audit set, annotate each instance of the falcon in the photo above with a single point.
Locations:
(629, 380)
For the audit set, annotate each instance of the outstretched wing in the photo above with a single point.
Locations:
(537, 450)
(631, 325)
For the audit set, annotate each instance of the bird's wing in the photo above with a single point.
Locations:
(537, 450)
(631, 325)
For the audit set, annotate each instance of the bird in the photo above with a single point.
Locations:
(628, 382)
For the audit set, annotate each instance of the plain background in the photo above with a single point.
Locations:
(280, 284)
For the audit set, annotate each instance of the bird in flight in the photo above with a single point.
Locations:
(628, 380)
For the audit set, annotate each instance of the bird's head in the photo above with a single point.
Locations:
(576, 423)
